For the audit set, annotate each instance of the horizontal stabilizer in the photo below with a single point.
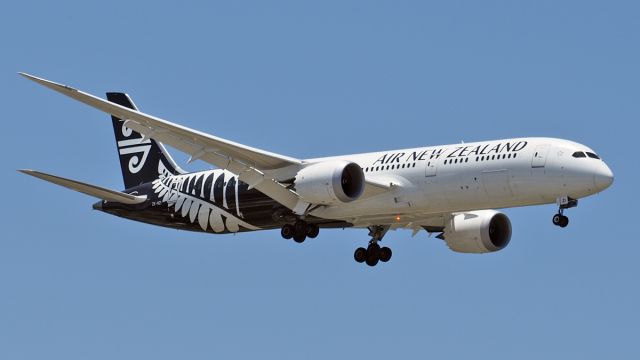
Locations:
(91, 190)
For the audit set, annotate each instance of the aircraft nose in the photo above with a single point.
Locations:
(603, 177)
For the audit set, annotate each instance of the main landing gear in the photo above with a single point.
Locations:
(374, 253)
(300, 231)
(564, 203)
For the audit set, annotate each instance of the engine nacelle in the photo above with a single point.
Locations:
(478, 231)
(330, 182)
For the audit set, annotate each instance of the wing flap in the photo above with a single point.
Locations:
(246, 172)
(88, 189)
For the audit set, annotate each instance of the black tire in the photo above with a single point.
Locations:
(287, 231)
(312, 231)
(300, 227)
(557, 219)
(372, 259)
(564, 221)
(299, 238)
(360, 255)
(385, 254)
(373, 254)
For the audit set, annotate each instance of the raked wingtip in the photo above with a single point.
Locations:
(28, 76)
(45, 82)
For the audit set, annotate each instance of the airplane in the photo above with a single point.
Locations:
(450, 190)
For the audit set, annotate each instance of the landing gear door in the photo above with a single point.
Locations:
(540, 156)
(431, 169)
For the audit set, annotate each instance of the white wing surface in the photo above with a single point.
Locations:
(253, 166)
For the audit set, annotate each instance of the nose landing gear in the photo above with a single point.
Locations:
(564, 203)
(560, 220)
(374, 253)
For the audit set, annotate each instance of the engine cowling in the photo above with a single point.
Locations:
(478, 231)
(330, 182)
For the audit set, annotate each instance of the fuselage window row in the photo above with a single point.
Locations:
(455, 161)
(389, 167)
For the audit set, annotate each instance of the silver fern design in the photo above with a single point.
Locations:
(192, 197)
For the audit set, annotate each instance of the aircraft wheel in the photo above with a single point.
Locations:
(300, 227)
(360, 255)
(385, 254)
(373, 254)
(299, 238)
(287, 231)
(564, 221)
(312, 231)
(372, 259)
(560, 220)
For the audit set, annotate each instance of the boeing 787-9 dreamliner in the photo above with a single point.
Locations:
(451, 190)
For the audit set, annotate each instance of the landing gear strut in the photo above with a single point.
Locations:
(299, 231)
(564, 203)
(374, 253)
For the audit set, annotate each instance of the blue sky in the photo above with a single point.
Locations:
(311, 79)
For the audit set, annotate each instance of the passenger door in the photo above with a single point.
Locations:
(431, 168)
(540, 156)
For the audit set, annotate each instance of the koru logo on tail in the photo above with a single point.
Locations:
(135, 146)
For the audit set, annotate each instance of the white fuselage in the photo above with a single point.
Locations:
(471, 176)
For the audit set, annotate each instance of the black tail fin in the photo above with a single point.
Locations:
(141, 161)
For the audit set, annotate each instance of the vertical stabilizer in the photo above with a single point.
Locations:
(141, 160)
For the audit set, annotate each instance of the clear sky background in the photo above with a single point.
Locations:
(312, 79)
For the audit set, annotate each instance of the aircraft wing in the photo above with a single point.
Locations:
(432, 223)
(91, 190)
(253, 166)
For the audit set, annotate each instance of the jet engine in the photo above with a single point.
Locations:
(330, 182)
(478, 231)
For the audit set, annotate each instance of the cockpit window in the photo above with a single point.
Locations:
(592, 155)
(579, 154)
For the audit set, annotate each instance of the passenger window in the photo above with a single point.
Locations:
(592, 155)
(579, 154)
